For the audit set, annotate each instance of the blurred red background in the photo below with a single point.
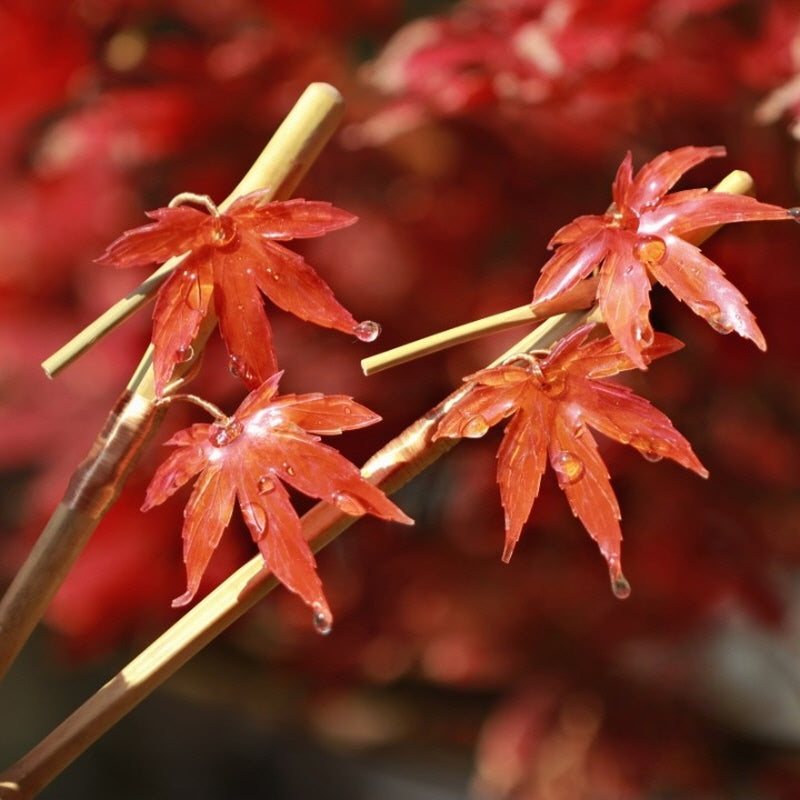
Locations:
(473, 131)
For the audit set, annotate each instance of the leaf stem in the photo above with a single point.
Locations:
(98, 480)
(206, 405)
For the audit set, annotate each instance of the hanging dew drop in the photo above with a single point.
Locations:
(475, 427)
(648, 448)
(224, 433)
(569, 467)
(349, 504)
(650, 250)
(321, 619)
(367, 331)
(255, 516)
(265, 485)
(184, 354)
(620, 586)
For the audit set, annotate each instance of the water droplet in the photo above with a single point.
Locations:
(255, 517)
(184, 354)
(274, 275)
(620, 586)
(223, 232)
(555, 384)
(650, 449)
(367, 331)
(715, 316)
(223, 433)
(644, 334)
(288, 468)
(322, 619)
(475, 427)
(239, 369)
(650, 250)
(194, 295)
(795, 213)
(349, 504)
(265, 485)
(568, 466)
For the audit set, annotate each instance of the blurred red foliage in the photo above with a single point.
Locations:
(470, 137)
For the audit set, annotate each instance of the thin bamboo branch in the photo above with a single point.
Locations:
(390, 468)
(98, 480)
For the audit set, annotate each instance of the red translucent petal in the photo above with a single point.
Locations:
(288, 219)
(259, 398)
(601, 358)
(521, 461)
(480, 409)
(294, 286)
(175, 231)
(616, 412)
(179, 467)
(319, 471)
(181, 305)
(623, 180)
(624, 300)
(658, 176)
(243, 321)
(325, 414)
(583, 477)
(570, 264)
(277, 531)
(701, 284)
(207, 514)
(683, 212)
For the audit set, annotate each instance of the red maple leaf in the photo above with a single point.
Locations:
(235, 257)
(247, 457)
(552, 399)
(640, 238)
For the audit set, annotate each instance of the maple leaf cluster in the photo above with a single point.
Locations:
(471, 135)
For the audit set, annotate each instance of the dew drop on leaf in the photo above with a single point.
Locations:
(184, 354)
(223, 434)
(367, 331)
(647, 447)
(288, 467)
(194, 296)
(715, 317)
(475, 427)
(322, 620)
(224, 231)
(239, 369)
(265, 485)
(650, 250)
(349, 504)
(568, 466)
(255, 516)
